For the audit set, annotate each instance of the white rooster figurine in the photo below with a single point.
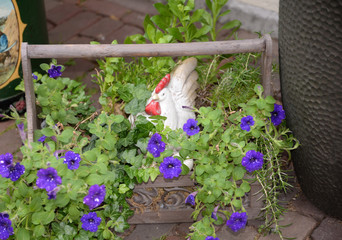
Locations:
(175, 95)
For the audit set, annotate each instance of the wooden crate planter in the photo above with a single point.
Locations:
(163, 201)
(150, 206)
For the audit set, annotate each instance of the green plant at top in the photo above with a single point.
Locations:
(176, 22)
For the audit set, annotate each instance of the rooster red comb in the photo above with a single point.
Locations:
(163, 83)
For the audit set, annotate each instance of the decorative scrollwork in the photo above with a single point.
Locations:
(164, 198)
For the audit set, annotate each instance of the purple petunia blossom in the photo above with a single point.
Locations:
(214, 213)
(22, 132)
(48, 179)
(191, 127)
(237, 221)
(246, 123)
(5, 162)
(253, 160)
(16, 171)
(6, 228)
(95, 196)
(53, 194)
(277, 115)
(90, 221)
(42, 139)
(34, 76)
(72, 159)
(190, 199)
(155, 145)
(211, 238)
(54, 71)
(170, 167)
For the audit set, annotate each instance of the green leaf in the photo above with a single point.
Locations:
(47, 217)
(74, 213)
(22, 234)
(39, 230)
(175, 33)
(44, 66)
(237, 203)
(120, 224)
(231, 24)
(106, 234)
(270, 100)
(135, 106)
(258, 89)
(238, 173)
(196, 15)
(245, 187)
(163, 9)
(226, 136)
(199, 169)
(93, 179)
(123, 188)
(151, 33)
(37, 217)
(153, 172)
(48, 132)
(202, 31)
(239, 193)
(66, 135)
(162, 22)
(261, 103)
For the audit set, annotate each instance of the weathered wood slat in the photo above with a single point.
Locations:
(139, 50)
(266, 67)
(29, 93)
(168, 216)
(145, 50)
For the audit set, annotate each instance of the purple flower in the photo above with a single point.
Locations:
(237, 221)
(54, 71)
(170, 167)
(52, 194)
(277, 115)
(48, 179)
(155, 145)
(6, 228)
(72, 159)
(95, 196)
(253, 160)
(246, 123)
(214, 213)
(190, 199)
(5, 162)
(211, 238)
(190, 127)
(16, 171)
(90, 221)
(22, 132)
(42, 139)
(34, 76)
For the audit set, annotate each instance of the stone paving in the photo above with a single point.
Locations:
(82, 21)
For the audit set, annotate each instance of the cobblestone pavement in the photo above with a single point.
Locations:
(82, 21)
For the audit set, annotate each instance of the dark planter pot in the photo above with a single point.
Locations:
(310, 49)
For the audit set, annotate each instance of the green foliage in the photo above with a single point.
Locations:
(62, 98)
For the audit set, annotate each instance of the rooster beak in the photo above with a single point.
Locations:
(155, 97)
